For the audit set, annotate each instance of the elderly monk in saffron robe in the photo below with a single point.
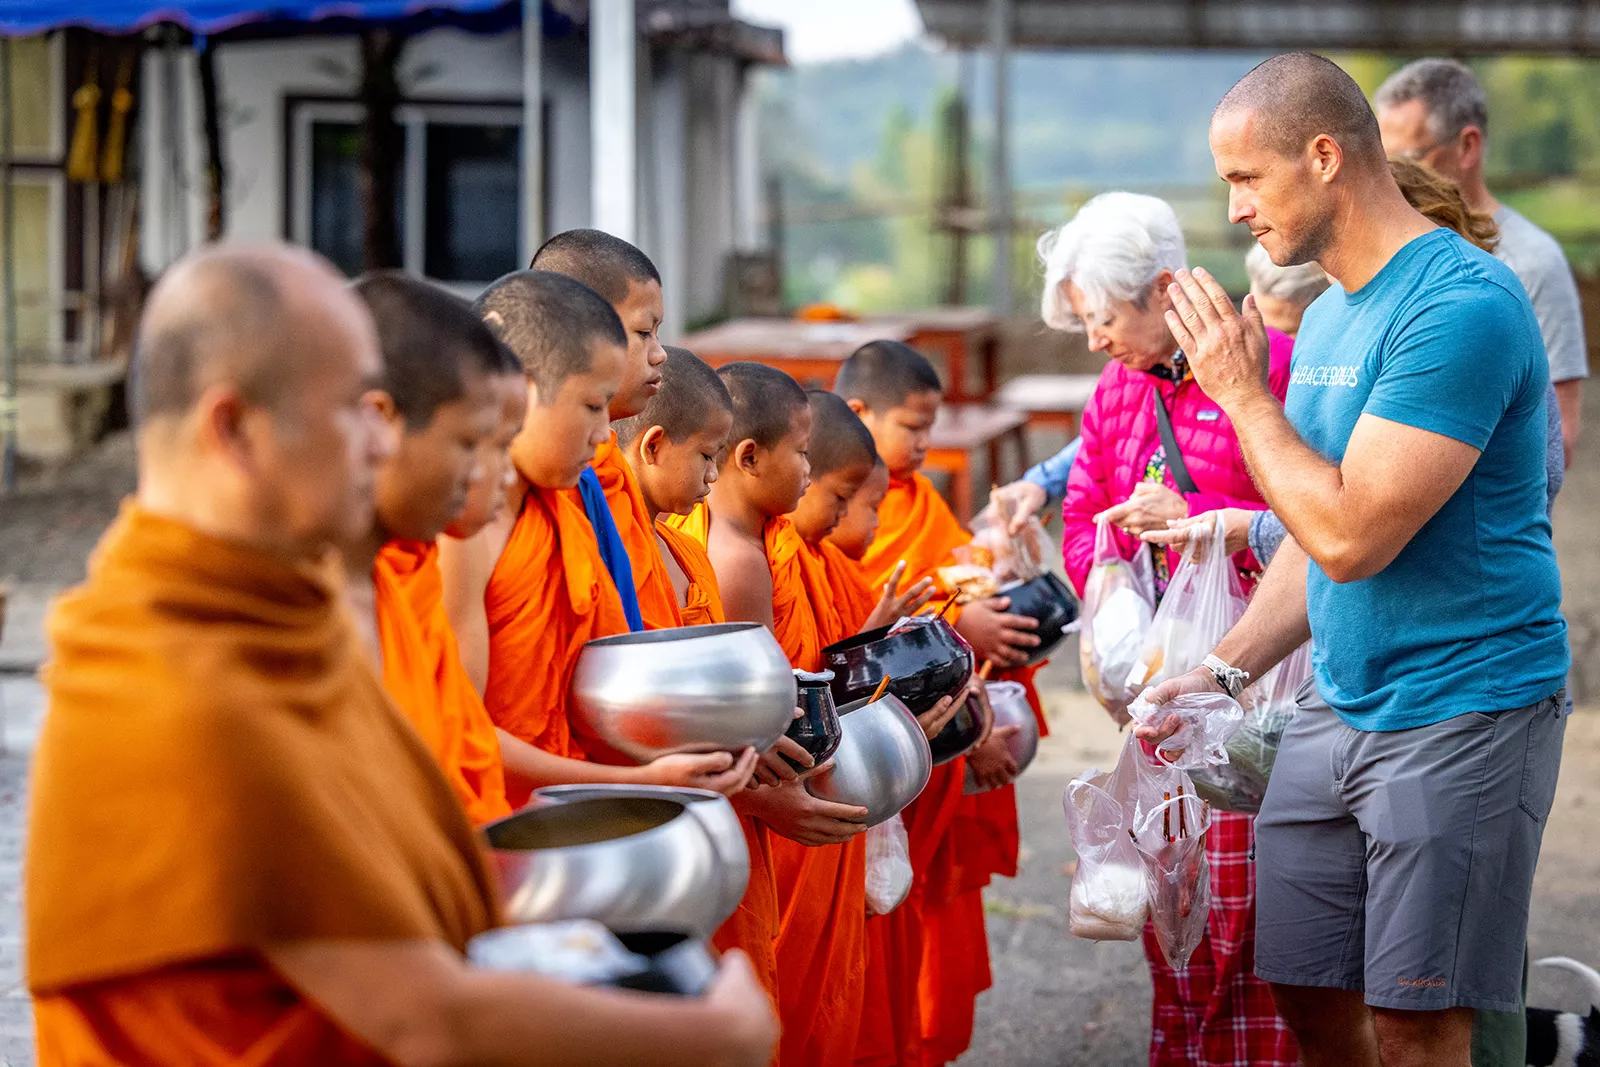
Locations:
(897, 394)
(530, 589)
(440, 364)
(295, 880)
(630, 283)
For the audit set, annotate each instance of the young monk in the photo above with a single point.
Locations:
(530, 589)
(295, 880)
(438, 399)
(897, 394)
(631, 284)
(672, 447)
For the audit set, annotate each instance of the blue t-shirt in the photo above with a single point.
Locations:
(1467, 617)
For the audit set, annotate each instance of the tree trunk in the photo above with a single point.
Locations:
(211, 123)
(381, 146)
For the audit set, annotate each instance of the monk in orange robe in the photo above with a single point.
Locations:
(672, 447)
(530, 589)
(295, 880)
(897, 394)
(439, 367)
(630, 283)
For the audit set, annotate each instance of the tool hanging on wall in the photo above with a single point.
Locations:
(111, 161)
(83, 159)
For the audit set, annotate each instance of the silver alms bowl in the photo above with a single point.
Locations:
(691, 689)
(712, 810)
(883, 760)
(633, 863)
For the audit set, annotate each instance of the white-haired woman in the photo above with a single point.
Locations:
(1106, 273)
(1282, 293)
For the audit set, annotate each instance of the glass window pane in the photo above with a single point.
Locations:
(32, 264)
(336, 209)
(33, 77)
(473, 210)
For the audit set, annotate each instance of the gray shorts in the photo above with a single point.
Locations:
(1400, 864)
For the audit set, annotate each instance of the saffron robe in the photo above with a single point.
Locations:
(260, 787)
(549, 593)
(702, 602)
(658, 602)
(422, 672)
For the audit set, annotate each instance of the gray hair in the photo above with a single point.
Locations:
(1448, 89)
(1298, 285)
(1112, 250)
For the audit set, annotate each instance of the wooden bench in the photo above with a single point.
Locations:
(961, 429)
(1055, 400)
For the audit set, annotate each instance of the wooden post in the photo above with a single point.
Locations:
(381, 146)
(613, 143)
(533, 190)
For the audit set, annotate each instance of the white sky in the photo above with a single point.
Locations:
(816, 30)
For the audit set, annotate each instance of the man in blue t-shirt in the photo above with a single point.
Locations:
(1396, 845)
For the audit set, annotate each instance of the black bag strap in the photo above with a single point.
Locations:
(1169, 442)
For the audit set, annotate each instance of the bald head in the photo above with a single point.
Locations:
(1295, 97)
(238, 314)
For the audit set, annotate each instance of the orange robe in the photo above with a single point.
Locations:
(702, 603)
(916, 525)
(754, 926)
(658, 602)
(822, 947)
(422, 672)
(260, 787)
(549, 594)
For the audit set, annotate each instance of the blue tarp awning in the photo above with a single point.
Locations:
(24, 18)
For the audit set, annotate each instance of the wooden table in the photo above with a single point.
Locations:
(962, 429)
(1050, 399)
(812, 351)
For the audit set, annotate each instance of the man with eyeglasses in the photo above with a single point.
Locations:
(1434, 111)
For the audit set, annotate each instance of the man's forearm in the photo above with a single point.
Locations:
(1301, 487)
(1275, 623)
(1570, 396)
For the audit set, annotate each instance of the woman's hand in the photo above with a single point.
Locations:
(1236, 525)
(1150, 507)
(1021, 501)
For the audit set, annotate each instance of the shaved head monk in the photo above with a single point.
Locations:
(440, 364)
(294, 880)
(629, 282)
(530, 589)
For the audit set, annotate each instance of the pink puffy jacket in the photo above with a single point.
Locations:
(1120, 434)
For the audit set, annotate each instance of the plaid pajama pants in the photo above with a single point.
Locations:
(1216, 1012)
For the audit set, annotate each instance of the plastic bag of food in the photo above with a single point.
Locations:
(1171, 841)
(888, 866)
(1208, 722)
(579, 951)
(1109, 900)
(1118, 601)
(1009, 557)
(1241, 784)
(1202, 603)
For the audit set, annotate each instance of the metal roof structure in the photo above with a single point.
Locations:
(1449, 27)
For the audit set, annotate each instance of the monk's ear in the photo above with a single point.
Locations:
(220, 418)
(859, 407)
(745, 455)
(650, 443)
(382, 404)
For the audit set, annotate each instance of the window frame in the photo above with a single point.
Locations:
(414, 116)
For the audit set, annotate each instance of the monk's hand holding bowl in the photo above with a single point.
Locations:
(720, 772)
(791, 811)
(1227, 350)
(771, 769)
(995, 634)
(934, 719)
(991, 762)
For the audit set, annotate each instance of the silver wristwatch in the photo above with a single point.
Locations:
(1232, 679)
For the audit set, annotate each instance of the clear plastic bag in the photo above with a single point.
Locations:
(1202, 603)
(1109, 900)
(1009, 558)
(1209, 722)
(1241, 784)
(1118, 599)
(1171, 840)
(888, 866)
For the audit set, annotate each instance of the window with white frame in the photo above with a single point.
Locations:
(456, 203)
